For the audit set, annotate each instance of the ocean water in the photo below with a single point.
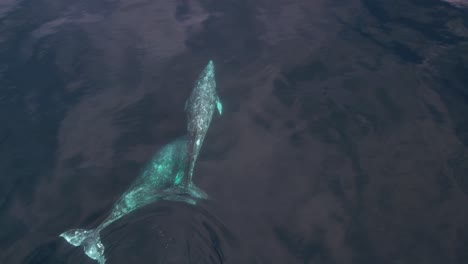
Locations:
(343, 139)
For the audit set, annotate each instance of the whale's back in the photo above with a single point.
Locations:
(166, 166)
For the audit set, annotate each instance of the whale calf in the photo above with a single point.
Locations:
(200, 107)
(167, 176)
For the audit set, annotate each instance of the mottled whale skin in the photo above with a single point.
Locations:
(200, 107)
(169, 174)
(162, 179)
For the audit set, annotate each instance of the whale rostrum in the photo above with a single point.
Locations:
(168, 176)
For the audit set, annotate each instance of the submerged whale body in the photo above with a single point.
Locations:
(161, 180)
(169, 174)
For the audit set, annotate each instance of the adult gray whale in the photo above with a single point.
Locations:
(200, 107)
(162, 179)
(166, 176)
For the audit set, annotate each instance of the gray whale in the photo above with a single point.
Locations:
(200, 107)
(168, 176)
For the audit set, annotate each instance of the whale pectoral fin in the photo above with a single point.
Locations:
(219, 106)
(186, 105)
(196, 192)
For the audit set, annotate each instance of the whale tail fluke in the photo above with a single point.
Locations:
(90, 241)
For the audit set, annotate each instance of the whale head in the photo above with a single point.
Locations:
(204, 94)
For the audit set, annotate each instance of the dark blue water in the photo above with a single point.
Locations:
(344, 137)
